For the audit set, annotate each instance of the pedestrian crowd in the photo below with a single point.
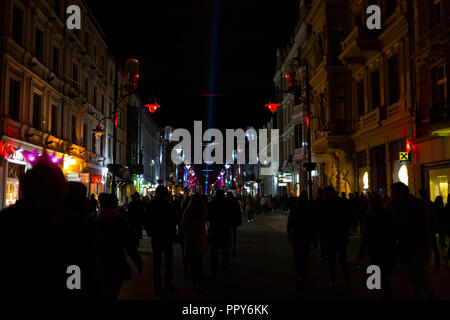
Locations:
(402, 229)
(55, 226)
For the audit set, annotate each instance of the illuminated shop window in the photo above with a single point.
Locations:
(403, 174)
(366, 180)
(439, 179)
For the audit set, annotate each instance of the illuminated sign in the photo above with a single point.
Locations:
(96, 178)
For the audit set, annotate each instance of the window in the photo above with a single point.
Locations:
(110, 148)
(358, 20)
(75, 77)
(86, 42)
(337, 36)
(390, 7)
(54, 122)
(102, 145)
(440, 93)
(57, 7)
(435, 12)
(360, 98)
(375, 89)
(56, 60)
(85, 135)
(94, 102)
(298, 131)
(14, 99)
(37, 109)
(339, 102)
(86, 88)
(38, 44)
(74, 129)
(17, 25)
(94, 143)
(95, 54)
(394, 80)
(103, 104)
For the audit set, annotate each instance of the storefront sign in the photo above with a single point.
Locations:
(84, 177)
(96, 178)
(285, 178)
(73, 177)
(404, 157)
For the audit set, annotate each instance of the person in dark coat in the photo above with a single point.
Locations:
(337, 222)
(414, 239)
(134, 216)
(31, 239)
(434, 225)
(83, 242)
(379, 243)
(236, 218)
(181, 237)
(301, 231)
(160, 223)
(439, 210)
(93, 205)
(114, 236)
(193, 232)
(220, 222)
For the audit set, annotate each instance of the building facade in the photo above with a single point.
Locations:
(374, 95)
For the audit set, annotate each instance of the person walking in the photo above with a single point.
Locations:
(114, 236)
(414, 239)
(134, 215)
(300, 228)
(193, 232)
(432, 208)
(236, 219)
(379, 243)
(93, 205)
(250, 205)
(337, 223)
(220, 222)
(160, 223)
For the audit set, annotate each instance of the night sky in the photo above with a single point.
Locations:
(188, 49)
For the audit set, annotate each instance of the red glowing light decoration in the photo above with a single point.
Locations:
(116, 119)
(152, 107)
(6, 149)
(307, 120)
(409, 146)
(272, 106)
(287, 76)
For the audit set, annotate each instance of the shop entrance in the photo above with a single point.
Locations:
(439, 179)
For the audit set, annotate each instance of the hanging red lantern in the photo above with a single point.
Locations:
(272, 106)
(152, 107)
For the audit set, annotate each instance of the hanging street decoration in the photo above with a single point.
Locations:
(272, 106)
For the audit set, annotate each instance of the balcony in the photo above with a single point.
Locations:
(357, 43)
(440, 119)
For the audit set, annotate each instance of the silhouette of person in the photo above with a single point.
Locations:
(414, 235)
(93, 205)
(337, 223)
(31, 239)
(236, 218)
(379, 242)
(193, 233)
(433, 221)
(82, 239)
(301, 231)
(134, 217)
(160, 223)
(220, 222)
(114, 236)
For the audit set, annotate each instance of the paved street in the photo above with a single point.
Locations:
(263, 269)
